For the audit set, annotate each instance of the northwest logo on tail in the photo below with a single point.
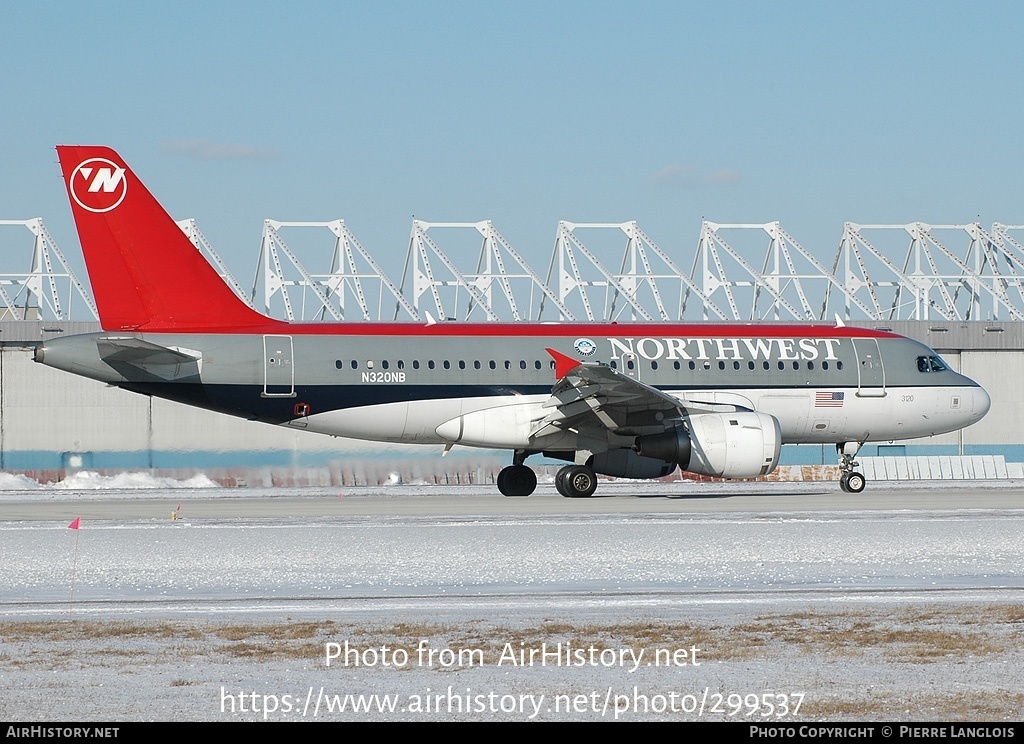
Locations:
(98, 185)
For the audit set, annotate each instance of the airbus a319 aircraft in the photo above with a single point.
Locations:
(620, 399)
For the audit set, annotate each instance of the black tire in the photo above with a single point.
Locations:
(579, 482)
(855, 482)
(843, 479)
(560, 480)
(516, 480)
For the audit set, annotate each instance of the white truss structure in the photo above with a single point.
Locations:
(487, 292)
(194, 234)
(637, 291)
(739, 272)
(791, 283)
(1013, 255)
(339, 293)
(44, 293)
(931, 280)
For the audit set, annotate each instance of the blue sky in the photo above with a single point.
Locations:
(523, 113)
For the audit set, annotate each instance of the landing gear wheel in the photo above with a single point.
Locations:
(577, 481)
(516, 480)
(560, 480)
(854, 482)
(851, 481)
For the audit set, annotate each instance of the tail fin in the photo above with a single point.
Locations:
(145, 272)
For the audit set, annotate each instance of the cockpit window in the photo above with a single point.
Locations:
(931, 364)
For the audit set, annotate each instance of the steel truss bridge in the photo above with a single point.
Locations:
(596, 272)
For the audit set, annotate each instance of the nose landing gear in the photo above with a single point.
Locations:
(851, 481)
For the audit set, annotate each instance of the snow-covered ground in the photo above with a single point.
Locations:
(909, 614)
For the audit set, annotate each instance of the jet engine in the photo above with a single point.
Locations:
(744, 444)
(624, 463)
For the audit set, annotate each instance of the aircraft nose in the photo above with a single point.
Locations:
(981, 403)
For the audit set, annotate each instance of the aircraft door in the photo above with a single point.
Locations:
(870, 372)
(278, 370)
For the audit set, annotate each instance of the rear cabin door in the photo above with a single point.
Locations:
(870, 372)
(278, 370)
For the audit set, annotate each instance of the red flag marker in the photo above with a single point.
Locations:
(76, 525)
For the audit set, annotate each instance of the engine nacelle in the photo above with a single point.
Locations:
(624, 463)
(745, 444)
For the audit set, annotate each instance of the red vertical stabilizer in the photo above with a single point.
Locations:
(145, 273)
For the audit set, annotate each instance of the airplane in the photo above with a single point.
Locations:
(628, 400)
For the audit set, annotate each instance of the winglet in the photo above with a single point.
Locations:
(563, 364)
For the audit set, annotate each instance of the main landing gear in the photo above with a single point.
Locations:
(576, 481)
(851, 481)
(516, 480)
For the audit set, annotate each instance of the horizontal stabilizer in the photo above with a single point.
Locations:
(137, 352)
(131, 356)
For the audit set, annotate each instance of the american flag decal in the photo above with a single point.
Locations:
(828, 400)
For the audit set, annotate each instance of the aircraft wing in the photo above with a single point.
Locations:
(595, 396)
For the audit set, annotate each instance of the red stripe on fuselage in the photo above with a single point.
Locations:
(568, 329)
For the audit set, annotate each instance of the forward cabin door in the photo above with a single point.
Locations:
(278, 370)
(870, 372)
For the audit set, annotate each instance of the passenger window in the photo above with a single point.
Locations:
(839, 365)
(338, 364)
(384, 364)
(415, 363)
(430, 364)
(447, 364)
